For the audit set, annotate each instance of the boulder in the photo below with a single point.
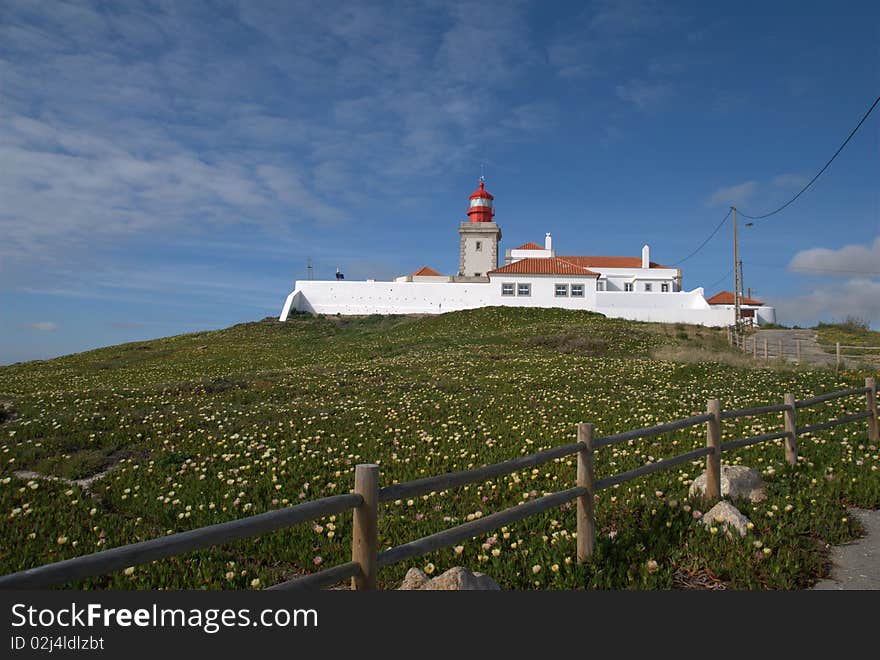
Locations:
(414, 579)
(737, 481)
(455, 579)
(724, 514)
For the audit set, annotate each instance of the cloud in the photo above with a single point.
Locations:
(856, 297)
(573, 56)
(186, 120)
(789, 181)
(667, 65)
(603, 36)
(737, 194)
(644, 95)
(848, 260)
(43, 326)
(629, 16)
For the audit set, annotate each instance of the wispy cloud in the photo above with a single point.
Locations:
(789, 181)
(845, 261)
(858, 297)
(853, 292)
(643, 94)
(606, 32)
(43, 326)
(736, 194)
(186, 119)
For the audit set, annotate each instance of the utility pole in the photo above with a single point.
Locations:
(742, 281)
(737, 286)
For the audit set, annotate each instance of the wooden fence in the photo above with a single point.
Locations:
(772, 350)
(366, 559)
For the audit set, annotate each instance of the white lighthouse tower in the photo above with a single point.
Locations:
(479, 236)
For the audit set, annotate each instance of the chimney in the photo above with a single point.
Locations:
(646, 257)
(548, 242)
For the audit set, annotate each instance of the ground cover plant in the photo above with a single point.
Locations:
(850, 332)
(213, 426)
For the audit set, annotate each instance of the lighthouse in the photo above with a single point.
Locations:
(480, 236)
(481, 209)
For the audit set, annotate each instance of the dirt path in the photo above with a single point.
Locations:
(811, 352)
(856, 565)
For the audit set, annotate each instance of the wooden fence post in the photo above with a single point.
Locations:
(713, 460)
(873, 422)
(766, 354)
(791, 429)
(364, 539)
(797, 343)
(755, 347)
(586, 515)
(729, 336)
(837, 353)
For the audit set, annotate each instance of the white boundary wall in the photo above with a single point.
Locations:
(354, 298)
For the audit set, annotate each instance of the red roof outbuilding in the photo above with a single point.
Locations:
(727, 298)
(426, 271)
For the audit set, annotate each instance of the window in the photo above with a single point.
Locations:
(600, 285)
(577, 290)
(628, 286)
(561, 290)
(507, 288)
(479, 246)
(664, 287)
(523, 289)
(647, 286)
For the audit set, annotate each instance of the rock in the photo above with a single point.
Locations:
(737, 481)
(455, 579)
(415, 579)
(726, 515)
(7, 411)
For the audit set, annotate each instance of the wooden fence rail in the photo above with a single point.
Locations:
(772, 351)
(366, 559)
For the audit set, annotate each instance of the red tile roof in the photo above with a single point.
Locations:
(610, 262)
(531, 245)
(542, 266)
(727, 298)
(427, 270)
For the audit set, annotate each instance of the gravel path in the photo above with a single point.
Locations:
(811, 352)
(856, 565)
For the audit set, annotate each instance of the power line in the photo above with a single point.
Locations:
(720, 279)
(703, 244)
(825, 167)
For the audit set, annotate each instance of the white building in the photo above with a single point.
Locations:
(752, 311)
(532, 276)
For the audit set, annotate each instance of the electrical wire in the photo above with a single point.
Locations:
(703, 244)
(825, 167)
(720, 279)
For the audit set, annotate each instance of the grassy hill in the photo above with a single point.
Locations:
(207, 427)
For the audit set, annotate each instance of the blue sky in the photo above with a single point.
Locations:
(171, 166)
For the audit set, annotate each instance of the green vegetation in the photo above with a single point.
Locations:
(213, 426)
(851, 332)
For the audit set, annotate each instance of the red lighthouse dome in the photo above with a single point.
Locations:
(481, 205)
